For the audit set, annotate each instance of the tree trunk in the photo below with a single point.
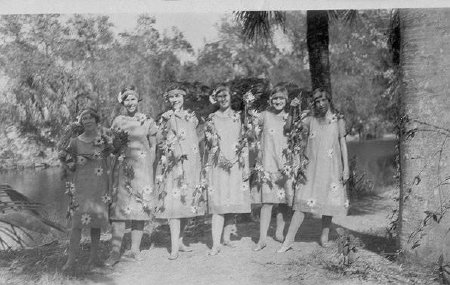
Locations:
(425, 158)
(317, 40)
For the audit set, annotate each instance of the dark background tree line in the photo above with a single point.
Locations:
(53, 65)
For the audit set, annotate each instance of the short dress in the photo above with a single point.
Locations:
(274, 187)
(324, 192)
(133, 192)
(89, 186)
(179, 166)
(226, 168)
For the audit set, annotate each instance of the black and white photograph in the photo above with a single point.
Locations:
(204, 142)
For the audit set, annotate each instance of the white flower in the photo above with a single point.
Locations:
(210, 190)
(98, 171)
(244, 187)
(97, 154)
(129, 188)
(272, 132)
(330, 153)
(249, 97)
(142, 154)
(182, 134)
(127, 210)
(195, 149)
(81, 160)
(214, 149)
(86, 219)
(121, 157)
(334, 187)
(194, 209)
(70, 188)
(106, 199)
(98, 140)
(347, 204)
(312, 135)
(176, 193)
(148, 189)
(159, 178)
(311, 203)
(281, 194)
(163, 160)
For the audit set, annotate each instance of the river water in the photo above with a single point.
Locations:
(46, 186)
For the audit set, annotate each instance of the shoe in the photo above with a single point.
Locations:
(173, 256)
(229, 244)
(112, 260)
(284, 248)
(260, 247)
(279, 238)
(184, 248)
(214, 251)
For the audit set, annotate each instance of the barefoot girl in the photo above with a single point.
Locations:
(89, 188)
(226, 167)
(179, 166)
(274, 188)
(324, 192)
(133, 181)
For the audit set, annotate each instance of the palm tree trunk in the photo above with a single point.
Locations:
(425, 157)
(317, 41)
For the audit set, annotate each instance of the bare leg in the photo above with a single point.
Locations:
(118, 230)
(217, 227)
(265, 217)
(174, 225)
(95, 241)
(296, 222)
(137, 229)
(75, 237)
(326, 223)
(281, 214)
(182, 246)
(229, 225)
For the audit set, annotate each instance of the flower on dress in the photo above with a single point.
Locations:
(312, 135)
(106, 199)
(272, 132)
(333, 118)
(182, 134)
(159, 178)
(127, 210)
(311, 203)
(97, 154)
(330, 153)
(70, 188)
(98, 140)
(81, 160)
(210, 190)
(195, 149)
(142, 154)
(176, 193)
(281, 195)
(334, 187)
(86, 219)
(98, 171)
(347, 204)
(244, 187)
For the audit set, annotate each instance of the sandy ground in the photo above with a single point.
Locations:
(306, 263)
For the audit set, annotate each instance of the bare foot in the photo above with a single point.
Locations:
(135, 255)
(112, 260)
(259, 246)
(173, 256)
(279, 237)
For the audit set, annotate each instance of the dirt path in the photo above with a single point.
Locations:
(307, 263)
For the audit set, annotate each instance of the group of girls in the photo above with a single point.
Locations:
(175, 169)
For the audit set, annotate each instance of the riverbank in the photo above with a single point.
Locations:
(306, 263)
(18, 152)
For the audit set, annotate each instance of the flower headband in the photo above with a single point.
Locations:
(173, 91)
(217, 91)
(124, 94)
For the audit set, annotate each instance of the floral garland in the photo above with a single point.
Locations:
(212, 139)
(71, 159)
(168, 160)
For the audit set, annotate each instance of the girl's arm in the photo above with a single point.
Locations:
(343, 143)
